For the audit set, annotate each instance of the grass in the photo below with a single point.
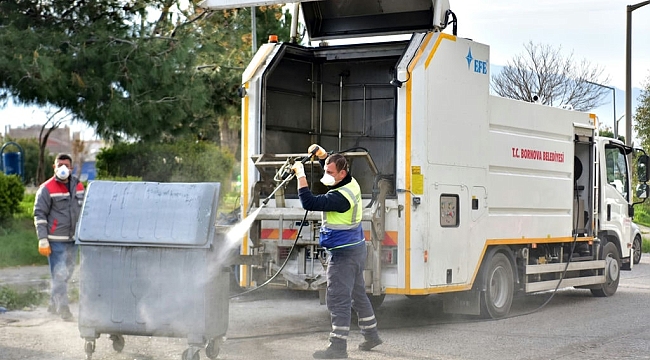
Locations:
(19, 244)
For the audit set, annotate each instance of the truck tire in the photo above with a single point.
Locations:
(636, 246)
(499, 287)
(612, 271)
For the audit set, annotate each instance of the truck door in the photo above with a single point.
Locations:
(616, 193)
(449, 241)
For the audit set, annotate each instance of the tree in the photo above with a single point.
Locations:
(99, 61)
(43, 135)
(558, 81)
(608, 132)
(228, 32)
(104, 63)
(642, 116)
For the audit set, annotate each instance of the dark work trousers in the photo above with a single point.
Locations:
(346, 291)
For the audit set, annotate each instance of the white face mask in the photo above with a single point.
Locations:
(328, 180)
(62, 172)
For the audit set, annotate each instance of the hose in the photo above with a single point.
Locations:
(293, 246)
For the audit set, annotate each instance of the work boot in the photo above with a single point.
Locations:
(336, 350)
(370, 343)
(65, 313)
(52, 309)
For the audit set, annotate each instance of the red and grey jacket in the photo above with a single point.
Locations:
(57, 208)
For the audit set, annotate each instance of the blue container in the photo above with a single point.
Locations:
(11, 162)
(88, 171)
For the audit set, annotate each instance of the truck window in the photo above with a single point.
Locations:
(616, 163)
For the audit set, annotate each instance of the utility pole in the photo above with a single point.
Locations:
(628, 72)
(254, 29)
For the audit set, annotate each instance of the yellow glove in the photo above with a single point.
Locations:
(298, 169)
(44, 247)
(320, 152)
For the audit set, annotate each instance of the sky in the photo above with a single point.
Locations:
(590, 29)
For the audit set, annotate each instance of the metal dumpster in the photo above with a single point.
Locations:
(152, 264)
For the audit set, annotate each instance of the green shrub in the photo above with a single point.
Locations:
(26, 207)
(645, 247)
(12, 191)
(183, 161)
(13, 300)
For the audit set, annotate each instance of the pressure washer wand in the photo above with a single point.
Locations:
(286, 180)
(289, 176)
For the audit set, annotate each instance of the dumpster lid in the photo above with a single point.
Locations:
(148, 214)
(353, 18)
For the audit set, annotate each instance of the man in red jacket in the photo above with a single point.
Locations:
(56, 211)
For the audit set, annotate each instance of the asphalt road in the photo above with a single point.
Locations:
(281, 324)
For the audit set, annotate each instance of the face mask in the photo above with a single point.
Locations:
(62, 172)
(328, 180)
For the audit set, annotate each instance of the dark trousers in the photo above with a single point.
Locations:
(346, 291)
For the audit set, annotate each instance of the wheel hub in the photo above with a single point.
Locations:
(612, 270)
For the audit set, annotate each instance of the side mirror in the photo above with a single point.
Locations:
(642, 168)
(642, 191)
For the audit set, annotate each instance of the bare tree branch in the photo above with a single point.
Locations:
(558, 81)
(42, 142)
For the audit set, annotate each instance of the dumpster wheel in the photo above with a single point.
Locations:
(212, 347)
(118, 342)
(89, 347)
(191, 353)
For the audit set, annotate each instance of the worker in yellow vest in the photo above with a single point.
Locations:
(342, 237)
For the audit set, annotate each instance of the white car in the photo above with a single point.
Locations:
(636, 245)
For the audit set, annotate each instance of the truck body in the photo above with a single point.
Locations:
(466, 194)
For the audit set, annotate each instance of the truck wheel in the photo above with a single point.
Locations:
(636, 245)
(499, 287)
(612, 271)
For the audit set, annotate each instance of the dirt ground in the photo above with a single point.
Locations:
(36, 334)
(281, 324)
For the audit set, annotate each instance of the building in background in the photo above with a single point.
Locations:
(64, 140)
(59, 141)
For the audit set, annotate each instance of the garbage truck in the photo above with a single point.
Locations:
(466, 194)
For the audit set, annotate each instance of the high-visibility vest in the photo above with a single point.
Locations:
(350, 219)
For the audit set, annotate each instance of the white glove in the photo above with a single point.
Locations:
(44, 247)
(298, 169)
(320, 152)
